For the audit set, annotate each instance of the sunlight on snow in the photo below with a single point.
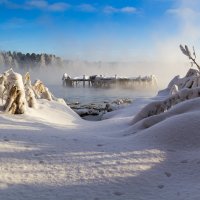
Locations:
(78, 168)
(18, 127)
(14, 147)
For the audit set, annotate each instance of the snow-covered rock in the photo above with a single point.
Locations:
(94, 109)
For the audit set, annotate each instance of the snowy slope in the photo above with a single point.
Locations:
(50, 153)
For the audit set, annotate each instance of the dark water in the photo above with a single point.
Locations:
(97, 95)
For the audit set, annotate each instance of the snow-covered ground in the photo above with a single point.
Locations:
(50, 153)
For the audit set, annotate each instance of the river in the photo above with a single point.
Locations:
(97, 95)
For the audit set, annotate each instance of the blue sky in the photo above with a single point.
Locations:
(94, 30)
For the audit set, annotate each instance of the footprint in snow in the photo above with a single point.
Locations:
(161, 186)
(184, 161)
(117, 193)
(38, 154)
(171, 150)
(168, 174)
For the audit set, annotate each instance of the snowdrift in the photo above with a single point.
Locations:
(179, 90)
(50, 153)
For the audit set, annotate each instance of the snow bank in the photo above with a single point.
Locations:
(50, 153)
(179, 90)
(191, 80)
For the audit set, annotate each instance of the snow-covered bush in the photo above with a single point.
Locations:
(15, 103)
(30, 95)
(18, 93)
(2, 85)
(42, 91)
(191, 80)
(178, 90)
(14, 87)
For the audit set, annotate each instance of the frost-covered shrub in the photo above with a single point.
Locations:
(191, 80)
(2, 85)
(30, 95)
(15, 101)
(19, 93)
(42, 91)
(174, 89)
(178, 90)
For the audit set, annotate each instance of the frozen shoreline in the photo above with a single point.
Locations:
(95, 111)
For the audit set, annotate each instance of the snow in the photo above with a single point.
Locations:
(81, 77)
(51, 153)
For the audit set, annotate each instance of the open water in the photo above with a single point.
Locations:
(97, 95)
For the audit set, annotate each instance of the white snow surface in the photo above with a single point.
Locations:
(51, 153)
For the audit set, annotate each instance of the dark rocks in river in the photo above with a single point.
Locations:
(98, 109)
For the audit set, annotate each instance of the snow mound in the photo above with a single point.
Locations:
(191, 80)
(178, 132)
(173, 121)
(179, 90)
(50, 153)
(53, 113)
(177, 127)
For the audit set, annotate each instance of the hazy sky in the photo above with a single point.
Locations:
(100, 30)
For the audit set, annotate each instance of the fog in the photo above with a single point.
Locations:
(164, 69)
(161, 56)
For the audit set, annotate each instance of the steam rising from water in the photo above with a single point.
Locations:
(161, 56)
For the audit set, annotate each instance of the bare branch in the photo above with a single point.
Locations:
(183, 50)
(187, 52)
(194, 53)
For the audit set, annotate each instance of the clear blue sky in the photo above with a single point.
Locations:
(89, 29)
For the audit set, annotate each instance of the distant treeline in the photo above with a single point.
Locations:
(27, 61)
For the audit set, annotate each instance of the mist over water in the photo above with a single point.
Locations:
(53, 79)
(109, 52)
(51, 76)
(97, 95)
(50, 68)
